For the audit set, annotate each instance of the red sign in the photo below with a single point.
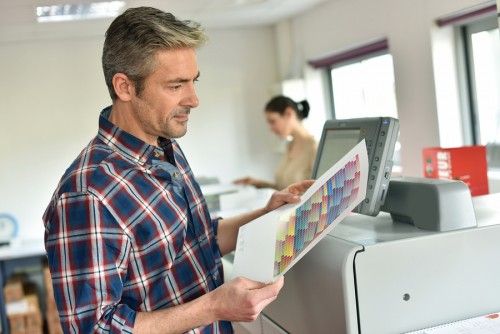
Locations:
(467, 164)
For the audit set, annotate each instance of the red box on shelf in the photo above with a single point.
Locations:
(467, 164)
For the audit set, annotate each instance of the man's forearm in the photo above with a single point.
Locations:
(176, 319)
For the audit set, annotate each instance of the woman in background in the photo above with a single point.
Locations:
(284, 117)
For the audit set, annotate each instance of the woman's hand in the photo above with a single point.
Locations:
(245, 181)
(250, 181)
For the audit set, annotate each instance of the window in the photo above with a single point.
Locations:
(362, 84)
(364, 88)
(476, 72)
(481, 43)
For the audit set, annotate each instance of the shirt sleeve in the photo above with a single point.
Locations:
(88, 255)
(215, 224)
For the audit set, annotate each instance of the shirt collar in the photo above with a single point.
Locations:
(123, 142)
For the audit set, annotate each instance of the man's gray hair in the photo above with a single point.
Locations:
(134, 37)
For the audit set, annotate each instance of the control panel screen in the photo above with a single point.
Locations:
(336, 144)
(340, 136)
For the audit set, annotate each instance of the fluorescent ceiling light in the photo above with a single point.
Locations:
(84, 11)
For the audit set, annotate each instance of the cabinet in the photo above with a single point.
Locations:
(27, 256)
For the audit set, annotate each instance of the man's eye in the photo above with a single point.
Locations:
(176, 87)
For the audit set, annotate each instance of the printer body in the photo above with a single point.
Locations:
(372, 275)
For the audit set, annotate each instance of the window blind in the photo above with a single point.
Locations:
(468, 15)
(352, 53)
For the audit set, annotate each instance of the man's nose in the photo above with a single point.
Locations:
(191, 99)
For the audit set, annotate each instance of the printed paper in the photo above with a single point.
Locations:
(271, 244)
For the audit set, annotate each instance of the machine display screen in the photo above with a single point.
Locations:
(340, 136)
(336, 144)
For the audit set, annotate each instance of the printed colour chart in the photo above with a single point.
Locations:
(304, 224)
(270, 245)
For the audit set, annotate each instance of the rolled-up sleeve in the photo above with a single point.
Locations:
(215, 224)
(88, 254)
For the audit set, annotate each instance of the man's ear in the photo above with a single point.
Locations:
(123, 87)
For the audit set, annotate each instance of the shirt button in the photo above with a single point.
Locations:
(201, 238)
(157, 154)
(176, 174)
(214, 276)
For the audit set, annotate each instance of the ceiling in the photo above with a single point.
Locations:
(18, 20)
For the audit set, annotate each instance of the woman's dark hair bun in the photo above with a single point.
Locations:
(303, 109)
(280, 103)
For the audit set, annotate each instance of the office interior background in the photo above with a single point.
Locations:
(52, 87)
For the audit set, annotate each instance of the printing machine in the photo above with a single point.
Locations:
(374, 275)
(424, 254)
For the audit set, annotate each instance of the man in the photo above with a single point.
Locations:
(130, 243)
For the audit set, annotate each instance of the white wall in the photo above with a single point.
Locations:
(52, 91)
(342, 24)
(51, 94)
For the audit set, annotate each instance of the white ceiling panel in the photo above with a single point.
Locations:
(18, 18)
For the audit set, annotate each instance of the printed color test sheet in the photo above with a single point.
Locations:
(270, 245)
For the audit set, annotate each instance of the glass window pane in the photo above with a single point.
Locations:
(486, 67)
(365, 88)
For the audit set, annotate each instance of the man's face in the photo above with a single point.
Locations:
(162, 109)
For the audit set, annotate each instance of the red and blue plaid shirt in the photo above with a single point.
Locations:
(128, 231)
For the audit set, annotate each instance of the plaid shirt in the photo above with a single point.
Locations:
(127, 231)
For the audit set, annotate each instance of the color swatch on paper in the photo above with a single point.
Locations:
(298, 228)
(270, 245)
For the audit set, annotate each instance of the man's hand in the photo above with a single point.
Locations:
(242, 299)
(238, 300)
(290, 194)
